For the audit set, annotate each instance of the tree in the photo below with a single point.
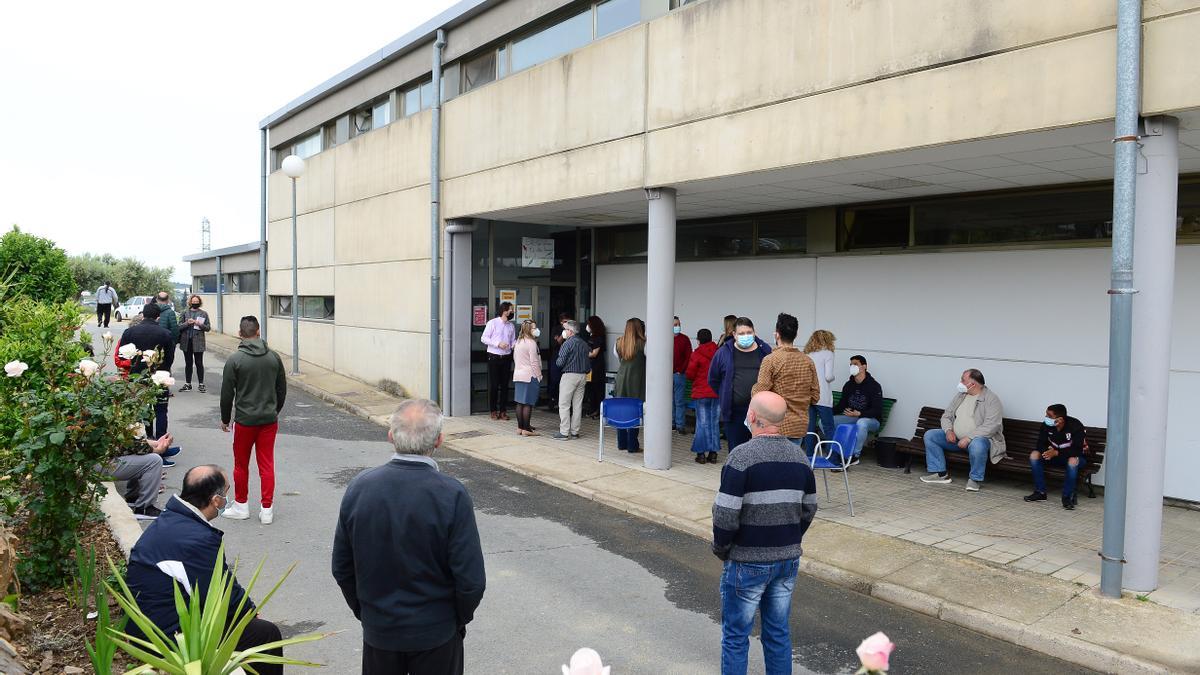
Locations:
(129, 276)
(36, 267)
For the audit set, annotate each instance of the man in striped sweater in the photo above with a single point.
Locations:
(767, 500)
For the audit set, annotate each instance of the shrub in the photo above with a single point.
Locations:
(39, 269)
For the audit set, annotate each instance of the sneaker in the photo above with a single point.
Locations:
(1068, 504)
(172, 451)
(168, 463)
(1036, 497)
(237, 511)
(186, 387)
(147, 512)
(560, 437)
(574, 435)
(972, 486)
(266, 515)
(937, 478)
(202, 389)
(853, 461)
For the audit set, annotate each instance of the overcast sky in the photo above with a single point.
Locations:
(127, 123)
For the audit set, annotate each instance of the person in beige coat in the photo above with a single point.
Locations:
(972, 423)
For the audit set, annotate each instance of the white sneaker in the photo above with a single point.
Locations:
(266, 515)
(237, 511)
(936, 478)
(972, 486)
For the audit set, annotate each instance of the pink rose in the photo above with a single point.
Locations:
(874, 652)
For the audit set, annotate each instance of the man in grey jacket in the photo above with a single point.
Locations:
(972, 423)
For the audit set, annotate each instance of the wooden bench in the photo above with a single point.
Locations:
(1021, 437)
(887, 410)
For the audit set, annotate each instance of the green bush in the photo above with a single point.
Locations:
(38, 268)
(129, 276)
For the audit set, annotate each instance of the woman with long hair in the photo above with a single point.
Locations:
(820, 349)
(597, 336)
(730, 320)
(631, 375)
(527, 374)
(192, 328)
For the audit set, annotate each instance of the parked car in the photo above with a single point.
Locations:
(131, 307)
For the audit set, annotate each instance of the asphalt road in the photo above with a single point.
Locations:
(563, 572)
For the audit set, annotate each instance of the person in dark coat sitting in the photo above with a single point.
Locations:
(181, 547)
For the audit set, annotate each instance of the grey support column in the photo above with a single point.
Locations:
(456, 321)
(1154, 277)
(220, 298)
(660, 312)
(262, 237)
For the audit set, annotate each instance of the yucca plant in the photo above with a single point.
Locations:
(205, 644)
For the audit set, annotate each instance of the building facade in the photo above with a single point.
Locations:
(931, 180)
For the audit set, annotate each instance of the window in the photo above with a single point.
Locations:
(714, 240)
(206, 283)
(783, 234)
(381, 113)
(412, 101)
(552, 41)
(502, 61)
(1014, 218)
(308, 146)
(874, 227)
(613, 15)
(479, 71)
(319, 307)
(427, 94)
(241, 282)
(1187, 219)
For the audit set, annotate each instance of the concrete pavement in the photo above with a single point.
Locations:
(1060, 617)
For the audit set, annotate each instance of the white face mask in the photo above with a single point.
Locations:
(962, 387)
(566, 334)
(537, 332)
(854, 371)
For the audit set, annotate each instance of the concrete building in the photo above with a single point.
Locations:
(931, 180)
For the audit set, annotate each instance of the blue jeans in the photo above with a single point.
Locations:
(627, 439)
(866, 425)
(936, 446)
(679, 385)
(824, 415)
(708, 427)
(745, 589)
(1039, 473)
(736, 432)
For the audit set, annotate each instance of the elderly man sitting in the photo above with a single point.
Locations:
(181, 547)
(141, 469)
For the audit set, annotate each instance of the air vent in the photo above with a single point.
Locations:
(893, 184)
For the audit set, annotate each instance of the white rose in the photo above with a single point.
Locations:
(128, 351)
(88, 367)
(162, 378)
(108, 337)
(148, 355)
(138, 429)
(15, 368)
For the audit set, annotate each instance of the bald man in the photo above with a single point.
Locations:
(767, 500)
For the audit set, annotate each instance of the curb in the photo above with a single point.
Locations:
(121, 521)
(1063, 647)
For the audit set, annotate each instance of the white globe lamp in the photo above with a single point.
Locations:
(293, 166)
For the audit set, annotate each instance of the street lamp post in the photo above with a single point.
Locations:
(293, 166)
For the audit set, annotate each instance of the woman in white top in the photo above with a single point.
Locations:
(527, 374)
(820, 349)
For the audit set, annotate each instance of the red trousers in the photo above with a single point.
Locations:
(262, 439)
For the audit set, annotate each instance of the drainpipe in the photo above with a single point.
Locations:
(452, 228)
(262, 239)
(220, 299)
(435, 196)
(1116, 456)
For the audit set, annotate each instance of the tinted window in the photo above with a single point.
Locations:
(553, 41)
(785, 234)
(614, 15)
(479, 72)
(880, 227)
(714, 240)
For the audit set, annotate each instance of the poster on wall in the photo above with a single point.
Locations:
(508, 296)
(479, 315)
(524, 313)
(537, 253)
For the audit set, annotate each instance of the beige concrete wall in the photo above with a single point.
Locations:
(316, 340)
(1170, 61)
(390, 227)
(383, 295)
(241, 262)
(370, 354)
(314, 190)
(236, 305)
(392, 158)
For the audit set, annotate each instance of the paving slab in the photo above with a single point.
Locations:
(873, 556)
(685, 501)
(1018, 596)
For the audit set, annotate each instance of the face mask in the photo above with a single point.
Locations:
(676, 330)
(747, 423)
(745, 341)
(566, 334)
(588, 328)
(537, 332)
(195, 305)
(854, 371)
(1049, 421)
(962, 387)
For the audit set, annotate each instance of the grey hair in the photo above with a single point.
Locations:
(415, 426)
(573, 326)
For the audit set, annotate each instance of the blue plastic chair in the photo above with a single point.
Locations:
(618, 413)
(837, 457)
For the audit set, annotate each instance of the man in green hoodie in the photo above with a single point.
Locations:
(253, 389)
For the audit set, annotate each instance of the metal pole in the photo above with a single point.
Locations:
(262, 239)
(435, 195)
(660, 341)
(1116, 459)
(1154, 260)
(295, 293)
(220, 298)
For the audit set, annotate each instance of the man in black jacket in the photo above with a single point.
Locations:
(406, 553)
(1061, 442)
(861, 403)
(147, 335)
(181, 547)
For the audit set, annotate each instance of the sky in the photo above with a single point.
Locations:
(127, 123)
